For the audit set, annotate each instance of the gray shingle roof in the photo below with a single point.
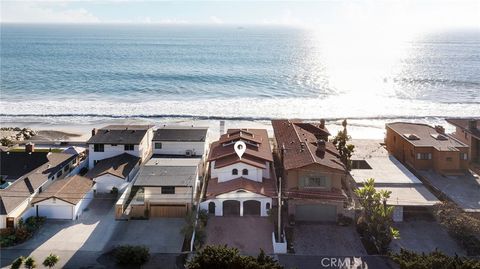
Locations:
(117, 136)
(192, 135)
(152, 175)
(120, 166)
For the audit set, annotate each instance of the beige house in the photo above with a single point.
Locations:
(312, 173)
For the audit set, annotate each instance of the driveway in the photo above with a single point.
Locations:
(248, 233)
(76, 242)
(424, 236)
(327, 239)
(463, 190)
(160, 235)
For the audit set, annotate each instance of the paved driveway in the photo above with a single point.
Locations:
(424, 236)
(463, 190)
(73, 241)
(248, 233)
(327, 239)
(160, 235)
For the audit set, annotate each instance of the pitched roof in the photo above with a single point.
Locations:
(257, 152)
(331, 195)
(120, 134)
(181, 134)
(158, 175)
(464, 124)
(120, 166)
(16, 164)
(215, 188)
(425, 136)
(300, 142)
(70, 190)
(22, 188)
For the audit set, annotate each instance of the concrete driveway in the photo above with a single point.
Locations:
(248, 233)
(76, 242)
(327, 239)
(160, 235)
(424, 236)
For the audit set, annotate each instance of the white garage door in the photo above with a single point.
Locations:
(55, 211)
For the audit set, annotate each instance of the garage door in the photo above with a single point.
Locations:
(231, 208)
(315, 212)
(168, 211)
(55, 211)
(251, 208)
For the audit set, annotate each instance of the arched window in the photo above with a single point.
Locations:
(268, 206)
(211, 208)
(235, 172)
(245, 172)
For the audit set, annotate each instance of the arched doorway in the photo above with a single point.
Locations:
(251, 208)
(211, 208)
(231, 208)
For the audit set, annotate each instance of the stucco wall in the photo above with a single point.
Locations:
(333, 176)
(241, 197)
(225, 173)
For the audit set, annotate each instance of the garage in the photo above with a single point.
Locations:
(168, 211)
(315, 212)
(251, 208)
(231, 208)
(55, 211)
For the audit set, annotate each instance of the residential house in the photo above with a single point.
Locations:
(166, 187)
(180, 141)
(424, 147)
(64, 199)
(240, 186)
(312, 173)
(114, 172)
(114, 140)
(408, 195)
(27, 174)
(468, 132)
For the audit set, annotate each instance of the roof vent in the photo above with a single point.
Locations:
(439, 136)
(412, 136)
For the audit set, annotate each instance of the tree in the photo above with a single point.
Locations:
(17, 263)
(51, 260)
(131, 255)
(376, 220)
(30, 263)
(223, 257)
(341, 143)
(436, 259)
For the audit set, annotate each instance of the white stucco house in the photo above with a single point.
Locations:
(64, 199)
(240, 186)
(114, 172)
(180, 141)
(114, 140)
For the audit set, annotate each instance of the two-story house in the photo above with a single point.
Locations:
(181, 141)
(424, 147)
(240, 186)
(114, 140)
(468, 132)
(312, 173)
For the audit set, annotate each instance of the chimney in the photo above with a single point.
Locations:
(29, 147)
(94, 131)
(472, 124)
(321, 145)
(440, 129)
(322, 124)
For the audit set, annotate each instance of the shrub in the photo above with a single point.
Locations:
(30, 263)
(131, 255)
(410, 260)
(51, 260)
(344, 220)
(114, 190)
(17, 263)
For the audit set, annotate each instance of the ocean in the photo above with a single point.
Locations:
(85, 72)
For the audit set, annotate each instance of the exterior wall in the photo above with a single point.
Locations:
(225, 173)
(83, 204)
(241, 197)
(465, 137)
(105, 183)
(3, 221)
(292, 176)
(179, 148)
(182, 195)
(58, 202)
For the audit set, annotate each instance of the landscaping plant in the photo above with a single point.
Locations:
(30, 263)
(131, 255)
(410, 260)
(51, 260)
(17, 263)
(341, 143)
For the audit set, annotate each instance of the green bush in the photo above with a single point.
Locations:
(17, 263)
(410, 260)
(30, 263)
(222, 257)
(51, 260)
(131, 255)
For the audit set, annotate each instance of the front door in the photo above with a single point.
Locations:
(10, 222)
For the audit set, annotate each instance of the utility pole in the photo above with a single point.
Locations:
(279, 220)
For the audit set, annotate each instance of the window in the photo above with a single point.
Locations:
(234, 172)
(59, 174)
(129, 147)
(424, 156)
(463, 156)
(158, 145)
(168, 190)
(268, 206)
(449, 159)
(114, 145)
(245, 172)
(98, 148)
(65, 169)
(316, 182)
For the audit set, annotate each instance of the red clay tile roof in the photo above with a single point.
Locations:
(70, 190)
(333, 195)
(463, 123)
(255, 155)
(300, 142)
(266, 188)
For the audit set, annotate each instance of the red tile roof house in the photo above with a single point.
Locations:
(312, 171)
(240, 186)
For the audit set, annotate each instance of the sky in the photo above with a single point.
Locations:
(363, 13)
